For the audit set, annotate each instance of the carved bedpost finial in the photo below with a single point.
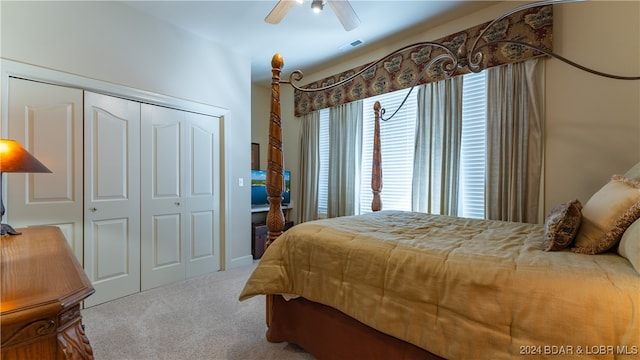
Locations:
(275, 157)
(277, 62)
(376, 169)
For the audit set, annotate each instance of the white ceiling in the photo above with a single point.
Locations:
(304, 39)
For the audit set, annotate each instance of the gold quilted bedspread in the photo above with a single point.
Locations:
(460, 288)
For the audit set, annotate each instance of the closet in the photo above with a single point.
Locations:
(134, 186)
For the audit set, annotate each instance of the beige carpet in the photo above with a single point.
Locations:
(199, 318)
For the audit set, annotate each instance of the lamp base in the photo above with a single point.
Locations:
(8, 230)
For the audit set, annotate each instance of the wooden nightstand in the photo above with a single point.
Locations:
(42, 288)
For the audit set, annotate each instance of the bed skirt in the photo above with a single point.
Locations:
(327, 333)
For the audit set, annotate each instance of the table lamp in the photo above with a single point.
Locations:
(14, 158)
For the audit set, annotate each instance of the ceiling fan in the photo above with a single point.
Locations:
(341, 8)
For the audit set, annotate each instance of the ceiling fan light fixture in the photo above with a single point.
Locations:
(317, 5)
(341, 8)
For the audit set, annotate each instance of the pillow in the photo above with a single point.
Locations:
(561, 226)
(607, 214)
(633, 173)
(629, 247)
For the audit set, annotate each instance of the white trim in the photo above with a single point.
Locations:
(12, 68)
(240, 261)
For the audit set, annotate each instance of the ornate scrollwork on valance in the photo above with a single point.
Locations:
(429, 60)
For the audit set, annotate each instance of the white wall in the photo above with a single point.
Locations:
(592, 124)
(113, 44)
(260, 117)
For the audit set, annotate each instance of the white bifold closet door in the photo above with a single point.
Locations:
(134, 188)
(47, 121)
(179, 199)
(111, 196)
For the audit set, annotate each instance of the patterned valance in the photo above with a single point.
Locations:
(399, 70)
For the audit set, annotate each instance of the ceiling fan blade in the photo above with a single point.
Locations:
(345, 14)
(279, 11)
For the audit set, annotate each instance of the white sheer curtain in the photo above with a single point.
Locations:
(436, 165)
(345, 156)
(514, 141)
(309, 167)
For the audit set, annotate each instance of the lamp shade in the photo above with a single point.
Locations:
(14, 158)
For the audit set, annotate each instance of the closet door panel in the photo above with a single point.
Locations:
(201, 228)
(112, 196)
(166, 248)
(111, 252)
(108, 158)
(166, 159)
(47, 121)
(203, 194)
(163, 229)
(42, 124)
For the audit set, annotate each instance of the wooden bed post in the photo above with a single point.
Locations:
(376, 169)
(275, 175)
(275, 158)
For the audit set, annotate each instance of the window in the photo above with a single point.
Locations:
(323, 179)
(473, 151)
(397, 139)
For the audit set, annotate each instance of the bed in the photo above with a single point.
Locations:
(395, 284)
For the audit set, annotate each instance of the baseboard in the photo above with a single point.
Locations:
(241, 261)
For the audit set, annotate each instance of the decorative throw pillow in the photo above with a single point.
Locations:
(561, 226)
(629, 247)
(607, 214)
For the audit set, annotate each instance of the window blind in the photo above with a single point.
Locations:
(323, 176)
(473, 153)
